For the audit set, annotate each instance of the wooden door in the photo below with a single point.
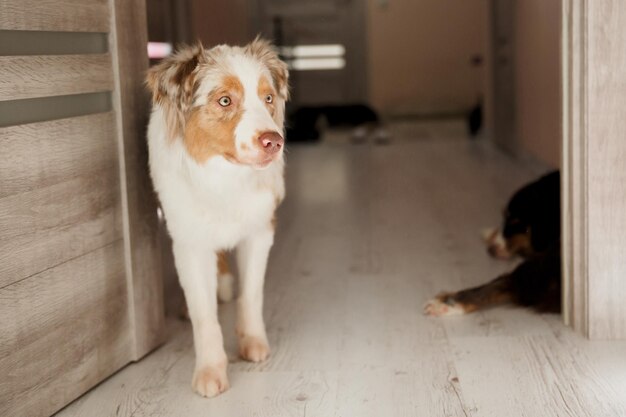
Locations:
(80, 290)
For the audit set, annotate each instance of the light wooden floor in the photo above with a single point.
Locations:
(367, 234)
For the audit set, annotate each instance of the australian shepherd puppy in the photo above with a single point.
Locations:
(216, 158)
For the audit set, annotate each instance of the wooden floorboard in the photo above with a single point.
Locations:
(367, 234)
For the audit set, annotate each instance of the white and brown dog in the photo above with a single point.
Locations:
(216, 158)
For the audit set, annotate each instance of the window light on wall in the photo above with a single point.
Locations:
(314, 57)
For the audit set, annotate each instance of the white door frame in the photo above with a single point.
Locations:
(594, 167)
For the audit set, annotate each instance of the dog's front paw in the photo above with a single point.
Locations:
(210, 381)
(253, 348)
(443, 305)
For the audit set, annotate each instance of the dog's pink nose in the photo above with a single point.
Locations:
(271, 142)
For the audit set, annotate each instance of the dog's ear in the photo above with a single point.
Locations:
(173, 83)
(262, 50)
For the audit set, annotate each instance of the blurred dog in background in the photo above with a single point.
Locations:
(531, 229)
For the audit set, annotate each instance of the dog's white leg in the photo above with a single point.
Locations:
(252, 254)
(197, 271)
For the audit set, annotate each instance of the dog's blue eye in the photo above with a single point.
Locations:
(224, 101)
(269, 98)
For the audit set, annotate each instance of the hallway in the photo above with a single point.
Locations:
(366, 235)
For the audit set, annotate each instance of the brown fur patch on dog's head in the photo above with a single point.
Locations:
(210, 129)
(173, 83)
(264, 52)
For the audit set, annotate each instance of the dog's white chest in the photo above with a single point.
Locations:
(219, 204)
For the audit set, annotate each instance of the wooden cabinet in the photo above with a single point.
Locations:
(80, 281)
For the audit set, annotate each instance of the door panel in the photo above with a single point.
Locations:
(55, 15)
(80, 285)
(62, 338)
(52, 75)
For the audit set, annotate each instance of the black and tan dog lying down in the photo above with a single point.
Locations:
(531, 229)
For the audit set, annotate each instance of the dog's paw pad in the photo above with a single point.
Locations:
(210, 381)
(439, 308)
(253, 349)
